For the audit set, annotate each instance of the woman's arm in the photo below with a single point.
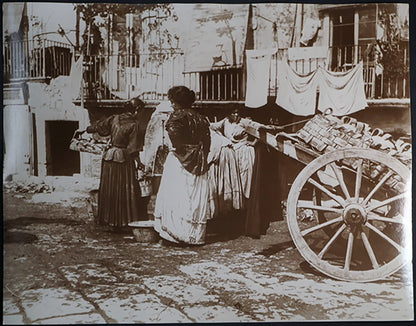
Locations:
(218, 126)
(256, 125)
(102, 127)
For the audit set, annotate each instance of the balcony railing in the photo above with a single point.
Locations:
(218, 84)
(379, 83)
(35, 59)
(150, 75)
(228, 84)
(122, 76)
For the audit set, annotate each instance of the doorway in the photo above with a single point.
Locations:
(60, 160)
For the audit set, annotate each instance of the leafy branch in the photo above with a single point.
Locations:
(393, 59)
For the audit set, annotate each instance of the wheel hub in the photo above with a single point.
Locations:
(354, 215)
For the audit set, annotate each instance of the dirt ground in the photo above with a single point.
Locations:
(59, 267)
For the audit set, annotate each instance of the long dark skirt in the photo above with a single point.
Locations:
(264, 204)
(119, 196)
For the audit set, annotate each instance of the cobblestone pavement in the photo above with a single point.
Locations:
(60, 268)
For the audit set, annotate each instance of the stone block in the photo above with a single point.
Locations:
(53, 302)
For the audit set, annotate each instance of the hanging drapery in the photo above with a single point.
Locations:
(297, 93)
(343, 92)
(258, 74)
(76, 76)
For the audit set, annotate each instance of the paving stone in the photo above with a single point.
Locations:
(88, 274)
(10, 307)
(13, 319)
(141, 308)
(73, 319)
(216, 313)
(180, 290)
(220, 276)
(53, 302)
(117, 290)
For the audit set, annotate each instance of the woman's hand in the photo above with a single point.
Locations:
(139, 165)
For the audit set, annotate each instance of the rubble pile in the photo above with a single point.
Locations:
(31, 188)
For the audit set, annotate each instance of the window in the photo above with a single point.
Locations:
(367, 25)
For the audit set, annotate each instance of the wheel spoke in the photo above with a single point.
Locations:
(320, 226)
(358, 180)
(377, 187)
(349, 252)
(303, 204)
(369, 250)
(331, 241)
(399, 219)
(340, 179)
(385, 237)
(330, 194)
(387, 201)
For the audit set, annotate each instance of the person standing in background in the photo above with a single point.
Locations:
(232, 127)
(182, 206)
(119, 193)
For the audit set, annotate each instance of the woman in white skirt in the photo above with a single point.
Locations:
(182, 206)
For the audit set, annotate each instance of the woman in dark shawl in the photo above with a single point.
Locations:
(119, 193)
(182, 207)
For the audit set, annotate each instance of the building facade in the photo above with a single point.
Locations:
(201, 46)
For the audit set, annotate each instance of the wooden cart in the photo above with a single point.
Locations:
(349, 209)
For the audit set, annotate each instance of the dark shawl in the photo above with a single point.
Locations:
(190, 136)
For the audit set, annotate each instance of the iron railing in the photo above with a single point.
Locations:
(378, 82)
(124, 76)
(35, 59)
(218, 84)
(150, 75)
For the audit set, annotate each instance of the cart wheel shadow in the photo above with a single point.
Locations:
(304, 265)
(308, 269)
(273, 249)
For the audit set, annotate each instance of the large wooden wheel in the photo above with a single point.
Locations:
(360, 228)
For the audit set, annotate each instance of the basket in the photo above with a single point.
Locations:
(144, 232)
(88, 145)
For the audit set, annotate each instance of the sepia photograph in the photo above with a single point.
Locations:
(207, 162)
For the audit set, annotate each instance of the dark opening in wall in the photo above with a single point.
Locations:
(60, 160)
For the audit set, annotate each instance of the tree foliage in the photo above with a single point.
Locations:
(392, 47)
(96, 16)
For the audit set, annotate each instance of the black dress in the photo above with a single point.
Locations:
(119, 193)
(264, 204)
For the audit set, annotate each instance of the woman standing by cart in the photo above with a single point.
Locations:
(182, 206)
(119, 193)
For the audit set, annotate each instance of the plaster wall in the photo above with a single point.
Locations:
(17, 140)
(53, 102)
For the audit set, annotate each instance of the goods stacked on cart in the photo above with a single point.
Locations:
(326, 133)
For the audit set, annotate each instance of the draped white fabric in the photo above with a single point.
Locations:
(258, 74)
(343, 92)
(297, 93)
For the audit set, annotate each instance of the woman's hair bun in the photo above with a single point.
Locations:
(182, 96)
